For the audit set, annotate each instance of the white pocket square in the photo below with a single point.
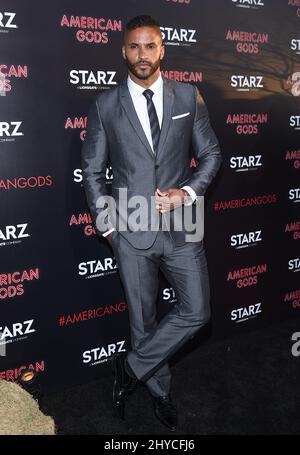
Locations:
(180, 115)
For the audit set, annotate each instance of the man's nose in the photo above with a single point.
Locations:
(142, 54)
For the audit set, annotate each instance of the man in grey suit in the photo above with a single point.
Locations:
(149, 128)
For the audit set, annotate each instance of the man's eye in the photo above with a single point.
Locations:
(133, 46)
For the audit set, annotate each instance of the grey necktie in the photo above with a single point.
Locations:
(154, 123)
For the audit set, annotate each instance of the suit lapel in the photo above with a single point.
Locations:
(168, 100)
(128, 106)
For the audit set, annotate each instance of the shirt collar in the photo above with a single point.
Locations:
(136, 89)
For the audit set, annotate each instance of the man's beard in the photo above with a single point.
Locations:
(140, 74)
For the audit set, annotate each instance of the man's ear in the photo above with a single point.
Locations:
(162, 52)
(123, 52)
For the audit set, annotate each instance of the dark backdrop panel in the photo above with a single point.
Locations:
(62, 307)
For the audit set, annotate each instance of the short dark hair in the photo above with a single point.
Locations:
(142, 21)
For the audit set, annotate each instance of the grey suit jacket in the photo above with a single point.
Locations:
(114, 133)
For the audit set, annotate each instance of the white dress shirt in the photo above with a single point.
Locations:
(140, 105)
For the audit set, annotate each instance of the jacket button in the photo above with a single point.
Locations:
(156, 166)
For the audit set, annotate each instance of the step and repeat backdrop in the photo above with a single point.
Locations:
(63, 311)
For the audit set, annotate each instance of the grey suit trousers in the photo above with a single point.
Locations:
(186, 270)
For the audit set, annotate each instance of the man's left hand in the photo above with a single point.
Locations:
(169, 199)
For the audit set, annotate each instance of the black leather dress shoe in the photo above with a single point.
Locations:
(165, 411)
(123, 383)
